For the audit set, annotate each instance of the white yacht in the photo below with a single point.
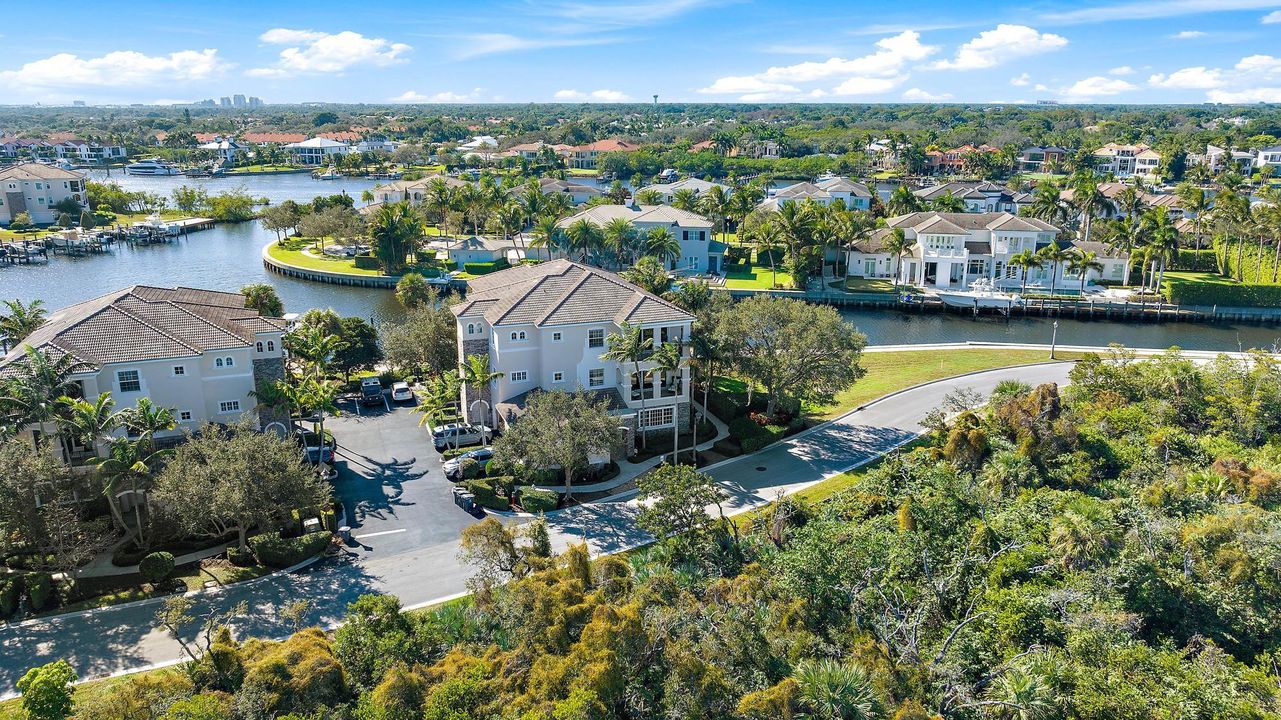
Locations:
(980, 295)
(152, 166)
(330, 174)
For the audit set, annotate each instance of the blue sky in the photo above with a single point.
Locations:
(1156, 51)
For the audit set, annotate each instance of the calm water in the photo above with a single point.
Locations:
(229, 256)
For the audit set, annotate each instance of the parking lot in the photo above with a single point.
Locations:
(390, 481)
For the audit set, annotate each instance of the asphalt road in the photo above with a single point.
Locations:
(407, 527)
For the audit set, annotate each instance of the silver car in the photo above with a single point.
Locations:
(456, 435)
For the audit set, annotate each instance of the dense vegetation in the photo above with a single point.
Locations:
(1105, 551)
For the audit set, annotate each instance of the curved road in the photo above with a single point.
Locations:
(120, 639)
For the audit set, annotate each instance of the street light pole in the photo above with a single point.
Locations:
(1054, 339)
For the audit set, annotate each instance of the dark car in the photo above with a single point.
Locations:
(371, 391)
(313, 450)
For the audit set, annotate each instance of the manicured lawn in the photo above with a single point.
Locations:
(251, 169)
(581, 172)
(291, 253)
(1044, 176)
(865, 285)
(887, 372)
(757, 278)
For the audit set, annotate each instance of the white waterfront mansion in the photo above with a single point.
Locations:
(545, 327)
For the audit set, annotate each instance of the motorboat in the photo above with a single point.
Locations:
(980, 295)
(154, 225)
(330, 174)
(152, 166)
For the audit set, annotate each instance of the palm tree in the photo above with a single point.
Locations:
(661, 243)
(90, 423)
(649, 274)
(583, 236)
(715, 203)
(440, 200)
(1163, 240)
(1195, 203)
(649, 197)
(766, 237)
(1083, 261)
(442, 396)
(1054, 255)
(395, 229)
(1089, 199)
(947, 202)
(669, 358)
(829, 690)
(547, 235)
(32, 394)
(128, 463)
(630, 344)
(1129, 202)
(1048, 205)
(896, 243)
(19, 321)
(146, 419)
(510, 218)
(1026, 260)
(903, 201)
(475, 371)
(620, 237)
(796, 223)
(685, 199)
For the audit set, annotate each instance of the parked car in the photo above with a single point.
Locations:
(456, 435)
(400, 392)
(313, 450)
(371, 391)
(454, 466)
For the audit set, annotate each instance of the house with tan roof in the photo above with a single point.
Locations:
(951, 250)
(824, 191)
(699, 252)
(584, 156)
(199, 352)
(545, 326)
(1125, 161)
(37, 189)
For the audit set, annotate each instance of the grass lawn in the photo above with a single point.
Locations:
(888, 372)
(1183, 276)
(262, 168)
(757, 278)
(193, 575)
(1044, 176)
(864, 285)
(581, 172)
(291, 253)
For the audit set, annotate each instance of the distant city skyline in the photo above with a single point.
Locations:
(1123, 51)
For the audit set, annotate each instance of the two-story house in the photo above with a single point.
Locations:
(951, 250)
(37, 189)
(584, 157)
(317, 150)
(699, 252)
(698, 186)
(824, 191)
(1269, 156)
(199, 352)
(1125, 161)
(545, 327)
(1038, 159)
(985, 196)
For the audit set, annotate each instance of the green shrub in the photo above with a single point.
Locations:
(451, 453)
(767, 435)
(485, 495)
(469, 468)
(484, 268)
(366, 262)
(298, 675)
(274, 551)
(10, 593)
(727, 447)
(1191, 292)
(156, 567)
(240, 558)
(127, 555)
(39, 589)
(28, 561)
(536, 501)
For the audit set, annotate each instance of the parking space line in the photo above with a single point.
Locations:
(376, 534)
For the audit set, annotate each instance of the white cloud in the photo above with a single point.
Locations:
(1021, 81)
(481, 44)
(1272, 18)
(602, 95)
(1122, 70)
(628, 13)
(880, 71)
(1096, 86)
(1194, 78)
(1146, 9)
(1187, 35)
(123, 68)
(1041, 87)
(411, 96)
(920, 95)
(311, 51)
(1253, 79)
(1001, 44)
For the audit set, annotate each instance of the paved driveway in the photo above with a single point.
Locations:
(390, 481)
(393, 482)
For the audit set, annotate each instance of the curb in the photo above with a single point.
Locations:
(161, 598)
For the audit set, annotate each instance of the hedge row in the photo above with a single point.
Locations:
(1210, 293)
(483, 491)
(37, 586)
(274, 551)
(484, 268)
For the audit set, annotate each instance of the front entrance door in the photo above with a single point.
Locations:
(711, 263)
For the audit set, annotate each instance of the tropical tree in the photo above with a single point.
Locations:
(583, 236)
(127, 468)
(1054, 256)
(547, 235)
(685, 199)
(897, 243)
(1048, 204)
(145, 420)
(1163, 241)
(715, 204)
(19, 320)
(1025, 260)
(619, 236)
(903, 201)
(631, 345)
(395, 229)
(1083, 261)
(1089, 200)
(263, 298)
(440, 200)
(650, 275)
(475, 372)
(661, 243)
(510, 218)
(670, 358)
(947, 202)
(33, 392)
(829, 690)
(648, 197)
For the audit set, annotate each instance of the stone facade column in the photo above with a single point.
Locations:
(266, 371)
(471, 393)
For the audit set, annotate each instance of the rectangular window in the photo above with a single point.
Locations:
(596, 377)
(179, 370)
(185, 416)
(129, 381)
(558, 377)
(519, 376)
(595, 338)
(229, 406)
(556, 337)
(656, 417)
